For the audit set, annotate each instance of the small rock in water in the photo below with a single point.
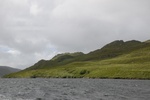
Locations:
(38, 99)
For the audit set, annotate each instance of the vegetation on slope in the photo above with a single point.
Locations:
(58, 60)
(116, 60)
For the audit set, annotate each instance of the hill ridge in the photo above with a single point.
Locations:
(111, 56)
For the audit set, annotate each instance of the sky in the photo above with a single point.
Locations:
(31, 30)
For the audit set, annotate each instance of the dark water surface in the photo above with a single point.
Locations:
(74, 89)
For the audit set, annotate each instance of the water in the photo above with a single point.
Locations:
(74, 89)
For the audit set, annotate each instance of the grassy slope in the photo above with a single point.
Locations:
(58, 60)
(133, 64)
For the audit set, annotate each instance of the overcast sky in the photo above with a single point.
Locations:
(31, 30)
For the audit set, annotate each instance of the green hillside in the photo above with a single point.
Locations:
(119, 59)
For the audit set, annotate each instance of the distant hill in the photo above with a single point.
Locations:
(118, 59)
(148, 41)
(7, 70)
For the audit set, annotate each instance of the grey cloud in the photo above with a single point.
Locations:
(39, 29)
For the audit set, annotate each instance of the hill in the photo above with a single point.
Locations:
(117, 59)
(148, 41)
(7, 70)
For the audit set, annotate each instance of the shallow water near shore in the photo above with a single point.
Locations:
(74, 89)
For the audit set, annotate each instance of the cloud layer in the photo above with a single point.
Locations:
(31, 30)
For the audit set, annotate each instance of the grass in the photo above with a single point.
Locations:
(91, 70)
